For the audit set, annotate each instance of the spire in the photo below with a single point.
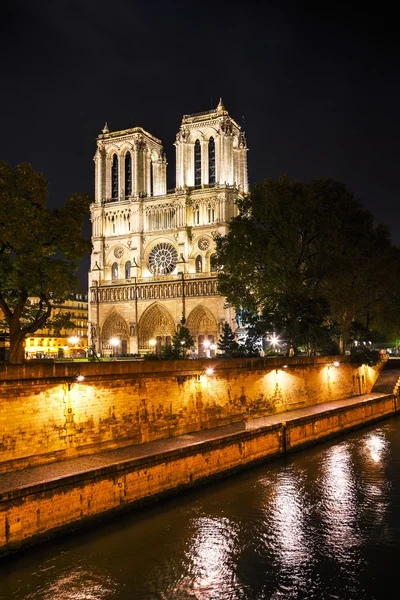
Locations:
(105, 128)
(220, 106)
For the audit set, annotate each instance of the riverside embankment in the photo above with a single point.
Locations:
(38, 501)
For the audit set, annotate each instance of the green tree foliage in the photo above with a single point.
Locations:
(39, 252)
(227, 343)
(308, 260)
(182, 340)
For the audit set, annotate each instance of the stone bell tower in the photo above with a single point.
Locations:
(154, 258)
(211, 150)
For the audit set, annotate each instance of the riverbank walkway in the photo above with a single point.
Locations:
(56, 472)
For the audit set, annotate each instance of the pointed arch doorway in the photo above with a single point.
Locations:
(157, 324)
(114, 326)
(204, 328)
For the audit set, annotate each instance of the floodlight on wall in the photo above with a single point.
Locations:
(77, 378)
(209, 371)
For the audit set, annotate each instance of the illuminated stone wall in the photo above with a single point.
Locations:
(50, 507)
(121, 403)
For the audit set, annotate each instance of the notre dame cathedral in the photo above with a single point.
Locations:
(153, 259)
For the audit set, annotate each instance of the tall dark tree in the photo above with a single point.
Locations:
(39, 251)
(306, 259)
(227, 343)
(182, 340)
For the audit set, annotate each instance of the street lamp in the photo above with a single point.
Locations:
(209, 371)
(114, 343)
(213, 347)
(206, 345)
(274, 340)
(77, 378)
(73, 341)
(152, 344)
(183, 344)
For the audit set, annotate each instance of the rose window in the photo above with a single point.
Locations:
(203, 243)
(118, 252)
(162, 259)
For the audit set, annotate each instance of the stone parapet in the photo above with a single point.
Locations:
(47, 415)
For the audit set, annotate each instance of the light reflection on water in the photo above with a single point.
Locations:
(323, 524)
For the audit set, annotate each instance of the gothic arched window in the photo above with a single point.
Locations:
(211, 213)
(213, 263)
(199, 264)
(211, 161)
(114, 270)
(128, 269)
(128, 174)
(197, 214)
(197, 163)
(114, 178)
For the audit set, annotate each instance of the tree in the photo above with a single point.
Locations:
(182, 340)
(306, 260)
(227, 343)
(39, 251)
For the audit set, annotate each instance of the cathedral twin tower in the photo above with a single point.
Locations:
(153, 257)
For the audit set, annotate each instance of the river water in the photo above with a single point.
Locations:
(324, 523)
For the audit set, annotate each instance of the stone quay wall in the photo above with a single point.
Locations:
(30, 514)
(46, 415)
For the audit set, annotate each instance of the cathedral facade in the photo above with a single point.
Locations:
(153, 258)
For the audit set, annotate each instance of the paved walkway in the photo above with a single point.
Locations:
(24, 478)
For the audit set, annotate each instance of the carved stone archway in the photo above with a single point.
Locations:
(114, 326)
(156, 323)
(203, 326)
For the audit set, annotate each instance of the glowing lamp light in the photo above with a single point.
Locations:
(73, 340)
(77, 378)
(209, 371)
(206, 344)
(274, 340)
(114, 343)
(336, 363)
(152, 342)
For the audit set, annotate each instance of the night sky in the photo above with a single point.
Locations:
(316, 86)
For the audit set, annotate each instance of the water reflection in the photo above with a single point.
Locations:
(376, 445)
(75, 583)
(288, 519)
(211, 559)
(323, 524)
(339, 507)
